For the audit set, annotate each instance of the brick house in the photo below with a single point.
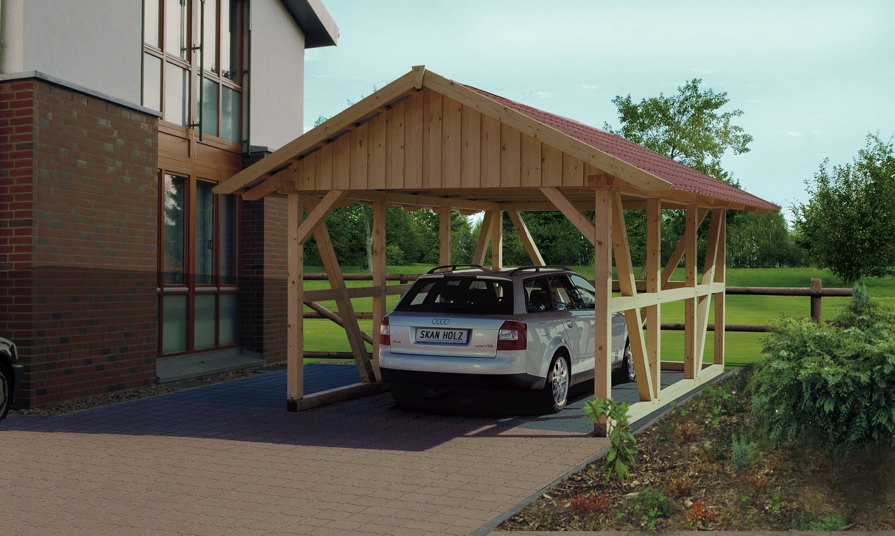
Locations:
(117, 262)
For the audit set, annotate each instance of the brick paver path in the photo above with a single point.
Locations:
(194, 465)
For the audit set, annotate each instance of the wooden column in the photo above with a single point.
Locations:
(603, 295)
(378, 279)
(817, 285)
(690, 338)
(294, 316)
(478, 257)
(654, 285)
(720, 297)
(497, 240)
(444, 236)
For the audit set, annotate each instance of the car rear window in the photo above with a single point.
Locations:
(459, 295)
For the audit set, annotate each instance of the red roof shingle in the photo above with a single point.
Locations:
(681, 177)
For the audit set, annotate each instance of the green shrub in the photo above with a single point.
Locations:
(834, 383)
(620, 458)
(743, 452)
(650, 504)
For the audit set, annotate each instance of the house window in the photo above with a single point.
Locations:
(198, 291)
(193, 63)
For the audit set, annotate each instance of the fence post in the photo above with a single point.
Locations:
(817, 286)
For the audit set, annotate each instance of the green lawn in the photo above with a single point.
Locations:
(742, 348)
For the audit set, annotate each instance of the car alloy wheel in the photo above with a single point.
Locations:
(559, 381)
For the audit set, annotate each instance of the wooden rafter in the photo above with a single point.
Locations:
(416, 200)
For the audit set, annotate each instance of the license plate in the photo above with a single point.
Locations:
(442, 336)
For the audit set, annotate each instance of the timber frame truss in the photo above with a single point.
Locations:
(423, 141)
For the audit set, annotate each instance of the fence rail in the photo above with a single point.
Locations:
(816, 292)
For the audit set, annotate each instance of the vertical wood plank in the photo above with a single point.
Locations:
(720, 297)
(654, 285)
(413, 141)
(451, 141)
(691, 366)
(359, 158)
(378, 279)
(433, 141)
(342, 163)
(490, 152)
(602, 296)
(324, 178)
(551, 166)
(572, 171)
(308, 172)
(510, 158)
(497, 240)
(294, 316)
(376, 152)
(470, 148)
(444, 236)
(394, 164)
(531, 161)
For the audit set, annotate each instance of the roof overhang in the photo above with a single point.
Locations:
(315, 22)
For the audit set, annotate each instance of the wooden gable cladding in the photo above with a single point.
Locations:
(429, 142)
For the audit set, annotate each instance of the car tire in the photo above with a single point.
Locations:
(627, 371)
(559, 381)
(5, 391)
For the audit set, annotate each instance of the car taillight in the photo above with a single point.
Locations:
(512, 336)
(385, 332)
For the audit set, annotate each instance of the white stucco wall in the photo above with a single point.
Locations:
(93, 43)
(277, 75)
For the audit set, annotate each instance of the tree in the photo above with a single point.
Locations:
(691, 128)
(688, 127)
(762, 241)
(848, 225)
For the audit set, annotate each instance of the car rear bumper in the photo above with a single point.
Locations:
(471, 381)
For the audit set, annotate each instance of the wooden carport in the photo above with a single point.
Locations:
(424, 141)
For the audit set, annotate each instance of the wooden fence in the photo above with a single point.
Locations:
(816, 291)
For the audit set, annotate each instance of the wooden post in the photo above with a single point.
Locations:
(691, 367)
(478, 257)
(497, 240)
(654, 285)
(817, 285)
(378, 279)
(444, 236)
(721, 297)
(602, 295)
(294, 316)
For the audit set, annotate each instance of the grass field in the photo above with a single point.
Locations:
(742, 348)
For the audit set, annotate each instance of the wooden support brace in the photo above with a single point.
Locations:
(525, 236)
(346, 310)
(481, 245)
(708, 276)
(562, 203)
(317, 214)
(334, 318)
(628, 286)
(679, 251)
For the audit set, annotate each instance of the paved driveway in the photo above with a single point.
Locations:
(205, 462)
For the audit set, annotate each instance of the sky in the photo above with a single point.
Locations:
(812, 78)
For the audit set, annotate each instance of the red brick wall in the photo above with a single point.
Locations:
(263, 281)
(93, 194)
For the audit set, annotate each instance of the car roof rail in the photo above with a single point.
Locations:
(452, 267)
(539, 268)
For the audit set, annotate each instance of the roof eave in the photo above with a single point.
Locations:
(314, 21)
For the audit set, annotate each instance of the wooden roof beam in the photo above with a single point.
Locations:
(423, 201)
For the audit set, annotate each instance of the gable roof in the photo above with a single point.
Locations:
(589, 152)
(682, 178)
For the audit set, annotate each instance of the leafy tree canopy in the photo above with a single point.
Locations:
(848, 225)
(688, 127)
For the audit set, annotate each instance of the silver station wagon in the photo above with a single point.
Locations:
(468, 327)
